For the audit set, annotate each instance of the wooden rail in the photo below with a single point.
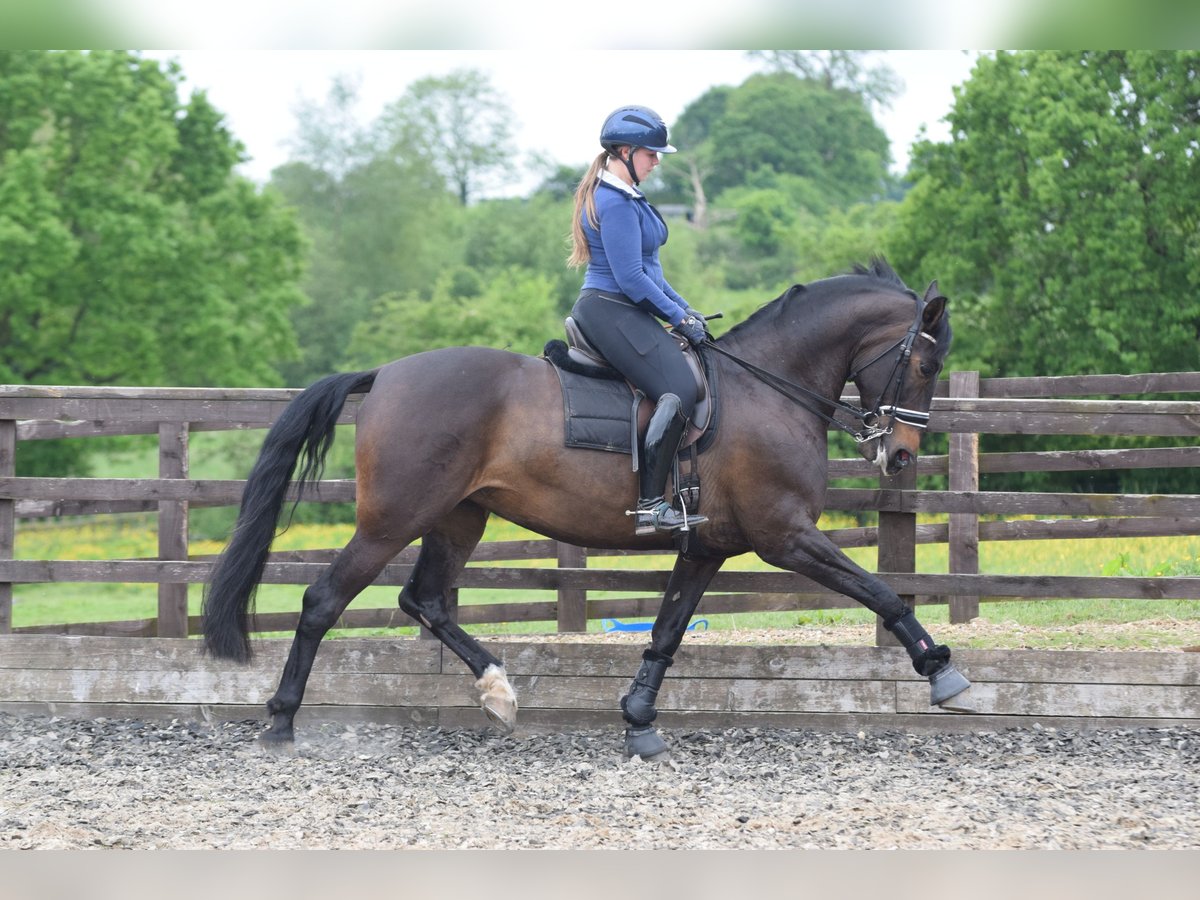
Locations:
(964, 407)
(576, 684)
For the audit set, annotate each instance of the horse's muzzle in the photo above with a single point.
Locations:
(893, 460)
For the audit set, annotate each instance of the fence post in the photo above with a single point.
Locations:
(8, 521)
(172, 529)
(897, 544)
(964, 527)
(572, 602)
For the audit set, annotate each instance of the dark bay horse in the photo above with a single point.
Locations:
(447, 437)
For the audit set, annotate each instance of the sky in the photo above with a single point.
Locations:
(558, 98)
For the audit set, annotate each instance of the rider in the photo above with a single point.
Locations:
(617, 233)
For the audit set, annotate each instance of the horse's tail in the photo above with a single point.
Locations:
(306, 426)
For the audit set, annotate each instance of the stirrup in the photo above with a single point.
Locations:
(659, 516)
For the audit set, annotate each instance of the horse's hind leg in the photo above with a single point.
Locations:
(444, 552)
(689, 579)
(356, 566)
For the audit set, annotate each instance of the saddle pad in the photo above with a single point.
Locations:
(597, 412)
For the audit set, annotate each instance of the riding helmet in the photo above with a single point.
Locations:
(636, 126)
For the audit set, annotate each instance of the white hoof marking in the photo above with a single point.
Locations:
(497, 698)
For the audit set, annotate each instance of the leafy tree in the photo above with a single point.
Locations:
(531, 235)
(838, 70)
(779, 124)
(129, 252)
(460, 123)
(789, 125)
(833, 243)
(687, 174)
(376, 223)
(1062, 218)
(1063, 212)
(515, 311)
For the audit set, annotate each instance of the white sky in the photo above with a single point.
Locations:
(559, 98)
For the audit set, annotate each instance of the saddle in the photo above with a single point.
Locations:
(581, 352)
(603, 411)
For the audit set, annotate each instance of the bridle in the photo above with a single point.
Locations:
(869, 419)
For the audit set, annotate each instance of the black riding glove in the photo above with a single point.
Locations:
(692, 328)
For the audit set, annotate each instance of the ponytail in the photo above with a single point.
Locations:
(585, 203)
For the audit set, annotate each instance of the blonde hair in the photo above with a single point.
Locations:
(585, 201)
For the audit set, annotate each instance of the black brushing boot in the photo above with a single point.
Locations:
(932, 661)
(641, 738)
(663, 436)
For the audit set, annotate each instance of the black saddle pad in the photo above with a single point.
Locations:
(597, 412)
(598, 404)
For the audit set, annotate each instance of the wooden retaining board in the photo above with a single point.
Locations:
(573, 685)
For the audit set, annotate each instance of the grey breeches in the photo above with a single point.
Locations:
(636, 345)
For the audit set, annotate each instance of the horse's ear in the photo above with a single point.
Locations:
(935, 307)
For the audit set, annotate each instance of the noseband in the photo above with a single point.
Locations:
(870, 430)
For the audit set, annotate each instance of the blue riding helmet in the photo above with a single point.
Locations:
(636, 126)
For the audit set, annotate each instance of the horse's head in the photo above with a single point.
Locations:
(899, 380)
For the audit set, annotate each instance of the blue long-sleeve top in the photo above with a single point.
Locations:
(624, 250)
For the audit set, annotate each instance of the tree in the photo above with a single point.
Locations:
(788, 125)
(376, 222)
(1062, 215)
(129, 252)
(1062, 219)
(838, 70)
(514, 311)
(460, 123)
(779, 124)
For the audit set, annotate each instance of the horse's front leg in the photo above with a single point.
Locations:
(689, 579)
(809, 551)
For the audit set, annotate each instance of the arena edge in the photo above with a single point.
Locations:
(576, 685)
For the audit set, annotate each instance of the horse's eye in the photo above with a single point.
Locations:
(928, 369)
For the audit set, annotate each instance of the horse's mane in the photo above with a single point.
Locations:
(882, 270)
(879, 272)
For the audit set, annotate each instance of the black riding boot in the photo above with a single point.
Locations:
(663, 436)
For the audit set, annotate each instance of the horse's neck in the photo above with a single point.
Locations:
(814, 352)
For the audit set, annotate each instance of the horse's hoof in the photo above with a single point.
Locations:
(646, 743)
(497, 699)
(283, 740)
(949, 690)
(502, 716)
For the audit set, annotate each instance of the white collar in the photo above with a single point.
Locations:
(610, 179)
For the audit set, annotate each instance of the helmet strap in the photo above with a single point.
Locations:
(629, 165)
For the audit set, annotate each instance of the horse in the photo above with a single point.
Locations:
(445, 438)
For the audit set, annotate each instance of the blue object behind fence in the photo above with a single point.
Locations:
(618, 625)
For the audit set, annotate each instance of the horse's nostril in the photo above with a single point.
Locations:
(902, 458)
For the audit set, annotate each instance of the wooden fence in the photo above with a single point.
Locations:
(965, 407)
(407, 681)
(142, 667)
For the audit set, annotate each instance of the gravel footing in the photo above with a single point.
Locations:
(126, 783)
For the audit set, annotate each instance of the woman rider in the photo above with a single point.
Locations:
(617, 233)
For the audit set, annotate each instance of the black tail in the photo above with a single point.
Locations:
(306, 426)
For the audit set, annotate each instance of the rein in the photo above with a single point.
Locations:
(802, 396)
